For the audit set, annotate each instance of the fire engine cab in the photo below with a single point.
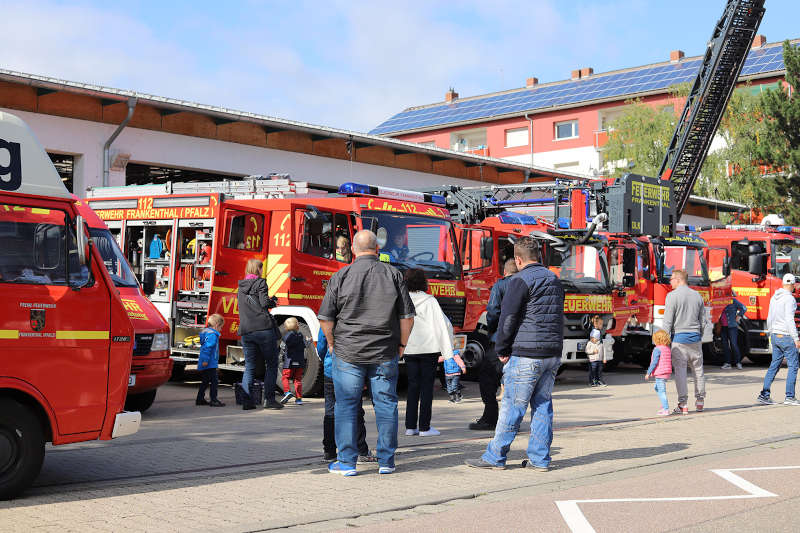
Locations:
(65, 336)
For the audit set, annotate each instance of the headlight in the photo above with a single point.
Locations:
(160, 342)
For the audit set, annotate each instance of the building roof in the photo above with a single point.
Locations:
(766, 61)
(45, 85)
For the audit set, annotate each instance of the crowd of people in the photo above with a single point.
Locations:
(372, 316)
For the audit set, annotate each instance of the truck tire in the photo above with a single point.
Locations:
(21, 447)
(140, 402)
(762, 359)
(178, 371)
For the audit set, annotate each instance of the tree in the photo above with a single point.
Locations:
(779, 144)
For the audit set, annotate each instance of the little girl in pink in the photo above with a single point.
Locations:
(661, 367)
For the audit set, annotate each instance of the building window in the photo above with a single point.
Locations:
(516, 137)
(468, 141)
(65, 165)
(429, 144)
(566, 130)
(572, 166)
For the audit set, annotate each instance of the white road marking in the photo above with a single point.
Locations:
(578, 523)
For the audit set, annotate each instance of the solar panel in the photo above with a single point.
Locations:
(659, 77)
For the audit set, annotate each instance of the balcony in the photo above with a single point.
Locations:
(600, 139)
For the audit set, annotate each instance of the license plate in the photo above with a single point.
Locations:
(581, 346)
(131, 380)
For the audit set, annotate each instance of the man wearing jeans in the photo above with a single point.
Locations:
(684, 320)
(367, 315)
(529, 341)
(784, 339)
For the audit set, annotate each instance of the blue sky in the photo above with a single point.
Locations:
(350, 64)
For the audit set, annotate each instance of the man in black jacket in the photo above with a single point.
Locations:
(491, 368)
(529, 342)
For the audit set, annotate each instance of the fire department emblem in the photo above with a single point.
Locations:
(37, 319)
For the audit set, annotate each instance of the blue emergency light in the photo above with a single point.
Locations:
(784, 229)
(390, 193)
(510, 217)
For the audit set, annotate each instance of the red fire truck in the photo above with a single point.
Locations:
(193, 240)
(760, 256)
(152, 365)
(64, 371)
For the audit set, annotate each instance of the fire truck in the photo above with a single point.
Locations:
(64, 371)
(152, 365)
(189, 243)
(760, 256)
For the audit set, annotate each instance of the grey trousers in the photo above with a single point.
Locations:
(688, 356)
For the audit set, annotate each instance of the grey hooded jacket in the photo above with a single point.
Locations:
(780, 319)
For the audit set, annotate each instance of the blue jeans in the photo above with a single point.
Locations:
(452, 383)
(348, 381)
(782, 346)
(526, 381)
(661, 390)
(261, 346)
(731, 336)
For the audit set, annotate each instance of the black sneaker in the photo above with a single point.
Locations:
(601, 383)
(480, 463)
(201, 402)
(482, 425)
(330, 456)
(452, 396)
(248, 406)
(527, 464)
(216, 403)
(459, 396)
(273, 405)
(766, 400)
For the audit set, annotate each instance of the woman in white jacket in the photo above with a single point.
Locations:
(431, 337)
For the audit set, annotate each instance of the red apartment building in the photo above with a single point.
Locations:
(564, 124)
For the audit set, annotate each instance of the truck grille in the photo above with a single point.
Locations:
(454, 309)
(143, 342)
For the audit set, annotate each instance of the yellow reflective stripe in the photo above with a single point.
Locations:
(9, 333)
(76, 334)
(223, 289)
(39, 211)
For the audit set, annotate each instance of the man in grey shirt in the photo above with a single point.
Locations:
(684, 320)
(367, 316)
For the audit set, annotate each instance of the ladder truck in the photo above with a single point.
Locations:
(643, 212)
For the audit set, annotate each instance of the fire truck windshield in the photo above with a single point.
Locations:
(115, 262)
(412, 241)
(786, 257)
(685, 258)
(581, 268)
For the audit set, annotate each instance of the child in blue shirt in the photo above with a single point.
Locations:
(208, 361)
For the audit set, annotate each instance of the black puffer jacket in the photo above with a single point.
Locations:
(252, 311)
(532, 315)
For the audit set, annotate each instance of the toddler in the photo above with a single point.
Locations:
(208, 361)
(596, 353)
(661, 367)
(453, 368)
(293, 355)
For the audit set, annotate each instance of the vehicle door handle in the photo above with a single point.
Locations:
(220, 273)
(295, 278)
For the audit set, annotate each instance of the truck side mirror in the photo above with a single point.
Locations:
(629, 261)
(726, 266)
(149, 282)
(487, 248)
(757, 264)
(83, 240)
(628, 280)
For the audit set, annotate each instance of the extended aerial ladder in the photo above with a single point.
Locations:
(725, 55)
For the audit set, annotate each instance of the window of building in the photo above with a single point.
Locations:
(566, 130)
(571, 166)
(245, 231)
(516, 137)
(65, 165)
(429, 144)
(468, 141)
(314, 232)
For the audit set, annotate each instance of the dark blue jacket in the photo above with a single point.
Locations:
(293, 350)
(532, 315)
(209, 349)
(325, 354)
(732, 310)
(493, 307)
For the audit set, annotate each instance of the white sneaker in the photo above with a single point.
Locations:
(726, 366)
(410, 432)
(739, 366)
(432, 432)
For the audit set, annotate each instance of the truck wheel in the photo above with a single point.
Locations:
(762, 359)
(140, 402)
(313, 373)
(475, 351)
(642, 359)
(712, 355)
(21, 447)
(178, 371)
